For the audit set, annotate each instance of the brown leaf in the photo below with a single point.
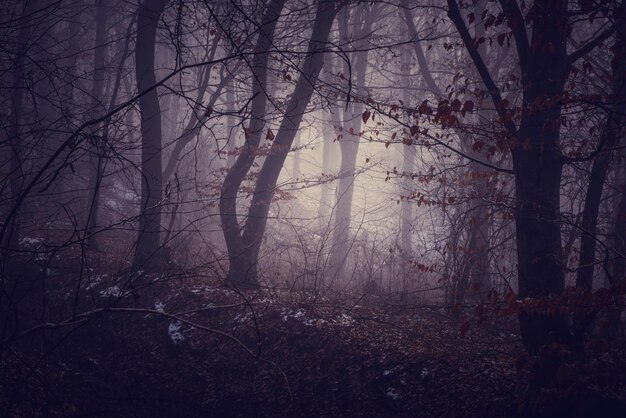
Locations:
(366, 116)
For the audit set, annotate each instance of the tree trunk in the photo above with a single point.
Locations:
(609, 140)
(328, 167)
(148, 242)
(296, 156)
(231, 124)
(16, 177)
(611, 137)
(349, 135)
(97, 106)
(409, 153)
(537, 160)
(538, 164)
(246, 269)
(242, 270)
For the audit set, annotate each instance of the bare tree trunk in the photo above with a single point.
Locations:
(17, 173)
(349, 138)
(328, 166)
(231, 123)
(611, 136)
(268, 176)
(296, 156)
(97, 106)
(199, 114)
(240, 264)
(618, 257)
(409, 153)
(148, 242)
(537, 159)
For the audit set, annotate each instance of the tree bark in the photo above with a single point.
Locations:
(349, 134)
(537, 160)
(97, 106)
(246, 269)
(328, 168)
(148, 240)
(17, 173)
(610, 139)
(240, 265)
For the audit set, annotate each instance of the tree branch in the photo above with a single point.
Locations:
(455, 15)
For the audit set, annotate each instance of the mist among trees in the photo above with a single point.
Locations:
(313, 208)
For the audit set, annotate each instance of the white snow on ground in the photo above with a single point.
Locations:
(288, 313)
(174, 330)
(94, 281)
(344, 320)
(314, 322)
(30, 241)
(112, 291)
(300, 315)
(242, 318)
(393, 393)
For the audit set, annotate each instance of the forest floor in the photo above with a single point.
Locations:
(187, 347)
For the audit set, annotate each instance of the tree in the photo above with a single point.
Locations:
(534, 143)
(244, 245)
(240, 263)
(148, 241)
(609, 140)
(97, 103)
(354, 26)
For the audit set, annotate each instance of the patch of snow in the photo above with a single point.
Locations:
(113, 204)
(393, 393)
(174, 330)
(266, 300)
(30, 242)
(344, 320)
(94, 281)
(112, 291)
(288, 313)
(314, 322)
(424, 373)
(159, 307)
(241, 318)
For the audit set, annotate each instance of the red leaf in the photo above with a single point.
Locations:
(414, 130)
(270, 135)
(478, 146)
(366, 116)
(501, 38)
(468, 106)
(424, 109)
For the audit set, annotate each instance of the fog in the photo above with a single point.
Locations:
(312, 208)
